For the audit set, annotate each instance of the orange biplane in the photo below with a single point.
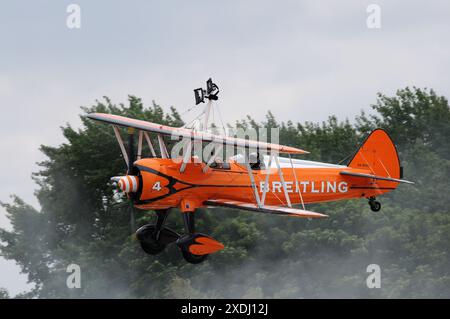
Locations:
(254, 181)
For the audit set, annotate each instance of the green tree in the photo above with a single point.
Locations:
(80, 221)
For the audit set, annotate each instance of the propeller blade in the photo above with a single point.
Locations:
(131, 171)
(131, 155)
(132, 218)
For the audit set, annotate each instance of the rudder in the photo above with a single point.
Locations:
(378, 155)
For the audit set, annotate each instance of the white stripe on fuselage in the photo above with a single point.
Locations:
(286, 163)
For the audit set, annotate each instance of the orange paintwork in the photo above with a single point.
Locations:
(378, 156)
(163, 186)
(316, 184)
(205, 245)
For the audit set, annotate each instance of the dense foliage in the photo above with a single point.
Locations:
(265, 256)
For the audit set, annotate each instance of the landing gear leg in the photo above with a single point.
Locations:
(188, 240)
(189, 222)
(375, 205)
(161, 216)
(155, 237)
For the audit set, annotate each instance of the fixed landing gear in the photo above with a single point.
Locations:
(196, 247)
(375, 205)
(186, 241)
(155, 238)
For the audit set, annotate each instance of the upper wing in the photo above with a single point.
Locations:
(187, 133)
(265, 209)
(383, 178)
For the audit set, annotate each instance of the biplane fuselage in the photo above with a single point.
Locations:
(164, 186)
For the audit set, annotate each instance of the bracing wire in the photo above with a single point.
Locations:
(189, 109)
(195, 119)
(221, 121)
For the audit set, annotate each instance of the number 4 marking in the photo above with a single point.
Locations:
(157, 186)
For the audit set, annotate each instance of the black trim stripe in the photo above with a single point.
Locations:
(173, 181)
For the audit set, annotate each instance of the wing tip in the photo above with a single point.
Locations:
(293, 150)
(319, 215)
(94, 115)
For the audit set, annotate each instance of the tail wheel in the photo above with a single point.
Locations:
(196, 247)
(193, 259)
(375, 206)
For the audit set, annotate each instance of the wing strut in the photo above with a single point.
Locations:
(283, 183)
(120, 141)
(266, 184)
(252, 180)
(261, 201)
(139, 153)
(296, 182)
(150, 145)
(186, 156)
(162, 147)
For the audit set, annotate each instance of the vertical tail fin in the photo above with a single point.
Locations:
(378, 155)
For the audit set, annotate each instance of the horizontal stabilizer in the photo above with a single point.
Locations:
(383, 178)
(265, 209)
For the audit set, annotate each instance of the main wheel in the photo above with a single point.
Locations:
(152, 247)
(193, 259)
(375, 206)
(147, 238)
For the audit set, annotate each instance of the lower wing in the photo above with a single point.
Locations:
(265, 209)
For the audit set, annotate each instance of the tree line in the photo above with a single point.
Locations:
(265, 256)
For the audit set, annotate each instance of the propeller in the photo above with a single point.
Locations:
(131, 171)
(129, 183)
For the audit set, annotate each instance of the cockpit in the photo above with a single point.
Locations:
(255, 160)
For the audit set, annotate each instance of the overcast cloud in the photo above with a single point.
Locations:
(304, 60)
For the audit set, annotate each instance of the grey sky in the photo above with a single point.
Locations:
(304, 60)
